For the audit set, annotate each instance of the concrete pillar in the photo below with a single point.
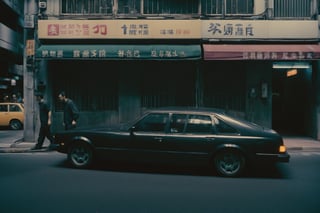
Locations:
(29, 135)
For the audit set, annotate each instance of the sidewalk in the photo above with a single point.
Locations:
(301, 143)
(20, 146)
(293, 143)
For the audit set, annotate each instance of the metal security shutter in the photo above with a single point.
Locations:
(168, 84)
(292, 8)
(224, 86)
(85, 83)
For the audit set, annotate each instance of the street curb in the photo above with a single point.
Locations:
(23, 150)
(19, 146)
(15, 150)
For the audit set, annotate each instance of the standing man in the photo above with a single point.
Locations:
(45, 123)
(70, 112)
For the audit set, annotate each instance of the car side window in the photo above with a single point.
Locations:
(177, 123)
(14, 108)
(153, 123)
(3, 108)
(224, 128)
(199, 124)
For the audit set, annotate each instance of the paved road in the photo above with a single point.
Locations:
(41, 182)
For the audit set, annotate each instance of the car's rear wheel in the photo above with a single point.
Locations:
(80, 155)
(15, 124)
(229, 163)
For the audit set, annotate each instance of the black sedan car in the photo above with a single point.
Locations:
(175, 135)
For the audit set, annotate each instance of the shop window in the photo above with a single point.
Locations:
(87, 7)
(227, 7)
(158, 7)
(293, 8)
(128, 6)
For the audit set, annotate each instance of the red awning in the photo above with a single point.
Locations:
(261, 52)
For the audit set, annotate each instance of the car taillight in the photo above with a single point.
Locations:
(282, 148)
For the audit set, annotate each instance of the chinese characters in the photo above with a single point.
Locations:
(276, 55)
(231, 29)
(126, 53)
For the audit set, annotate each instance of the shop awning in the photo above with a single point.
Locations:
(120, 52)
(261, 52)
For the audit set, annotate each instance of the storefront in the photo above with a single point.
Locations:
(115, 69)
(276, 83)
(114, 84)
(246, 53)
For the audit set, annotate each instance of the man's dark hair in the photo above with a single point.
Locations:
(62, 93)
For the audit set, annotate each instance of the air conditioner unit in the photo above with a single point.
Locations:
(42, 5)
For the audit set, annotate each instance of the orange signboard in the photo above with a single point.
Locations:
(119, 29)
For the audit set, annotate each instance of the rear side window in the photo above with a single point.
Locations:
(3, 108)
(14, 108)
(223, 128)
(153, 123)
(199, 124)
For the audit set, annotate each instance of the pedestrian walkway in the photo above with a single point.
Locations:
(301, 143)
(293, 143)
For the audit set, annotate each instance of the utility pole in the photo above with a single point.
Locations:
(30, 30)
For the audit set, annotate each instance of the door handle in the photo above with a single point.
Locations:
(158, 139)
(210, 139)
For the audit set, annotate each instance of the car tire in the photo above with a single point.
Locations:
(80, 155)
(229, 163)
(15, 124)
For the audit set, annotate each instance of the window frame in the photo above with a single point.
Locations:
(222, 8)
(298, 6)
(84, 14)
(161, 3)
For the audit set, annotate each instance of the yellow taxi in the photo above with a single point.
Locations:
(12, 115)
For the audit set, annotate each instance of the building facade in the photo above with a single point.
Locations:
(11, 48)
(257, 59)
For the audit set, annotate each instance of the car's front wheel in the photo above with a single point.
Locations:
(229, 163)
(80, 155)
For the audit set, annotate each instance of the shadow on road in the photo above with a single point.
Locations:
(266, 171)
